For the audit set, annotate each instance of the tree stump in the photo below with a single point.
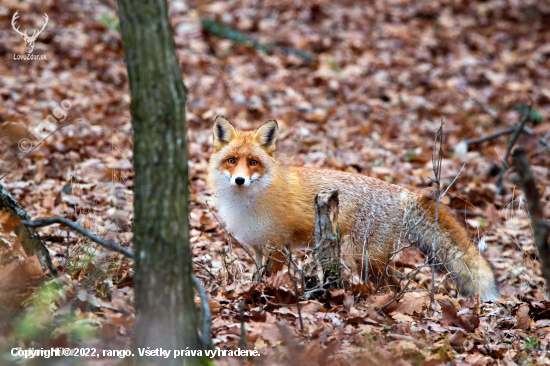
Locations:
(327, 238)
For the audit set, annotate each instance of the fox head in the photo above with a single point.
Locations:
(243, 160)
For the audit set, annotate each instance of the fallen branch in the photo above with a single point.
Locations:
(541, 228)
(207, 270)
(30, 240)
(59, 220)
(223, 31)
(207, 320)
(542, 140)
(491, 136)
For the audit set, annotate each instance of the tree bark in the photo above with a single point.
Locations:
(165, 308)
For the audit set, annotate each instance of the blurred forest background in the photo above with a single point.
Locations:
(359, 86)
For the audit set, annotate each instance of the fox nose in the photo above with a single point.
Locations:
(239, 181)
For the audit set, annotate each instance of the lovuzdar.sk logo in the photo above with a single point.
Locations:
(29, 40)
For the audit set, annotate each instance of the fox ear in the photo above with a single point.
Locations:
(224, 132)
(266, 135)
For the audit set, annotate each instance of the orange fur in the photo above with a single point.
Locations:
(269, 204)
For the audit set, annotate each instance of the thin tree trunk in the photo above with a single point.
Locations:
(165, 308)
(541, 228)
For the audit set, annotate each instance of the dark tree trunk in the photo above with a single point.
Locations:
(165, 308)
(541, 228)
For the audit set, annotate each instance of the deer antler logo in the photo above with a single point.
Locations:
(29, 40)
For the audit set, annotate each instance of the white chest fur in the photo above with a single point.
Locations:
(242, 218)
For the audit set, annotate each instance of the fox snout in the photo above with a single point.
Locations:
(240, 181)
(243, 180)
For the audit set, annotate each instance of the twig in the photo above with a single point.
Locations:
(197, 239)
(207, 270)
(59, 220)
(485, 109)
(207, 314)
(513, 140)
(295, 281)
(68, 249)
(350, 272)
(319, 287)
(242, 341)
(414, 273)
(453, 182)
(541, 228)
(388, 260)
(491, 136)
(437, 172)
(365, 256)
(207, 320)
(542, 140)
(468, 212)
(298, 305)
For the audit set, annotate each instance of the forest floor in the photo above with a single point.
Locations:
(365, 93)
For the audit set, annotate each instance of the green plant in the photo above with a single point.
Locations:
(531, 342)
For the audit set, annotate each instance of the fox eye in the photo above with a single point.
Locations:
(253, 162)
(231, 161)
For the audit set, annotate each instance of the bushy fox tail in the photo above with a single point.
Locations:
(455, 253)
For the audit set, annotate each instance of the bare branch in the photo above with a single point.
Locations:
(350, 272)
(453, 182)
(59, 220)
(30, 240)
(403, 289)
(491, 136)
(207, 316)
(542, 140)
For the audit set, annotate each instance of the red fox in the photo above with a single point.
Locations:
(264, 203)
